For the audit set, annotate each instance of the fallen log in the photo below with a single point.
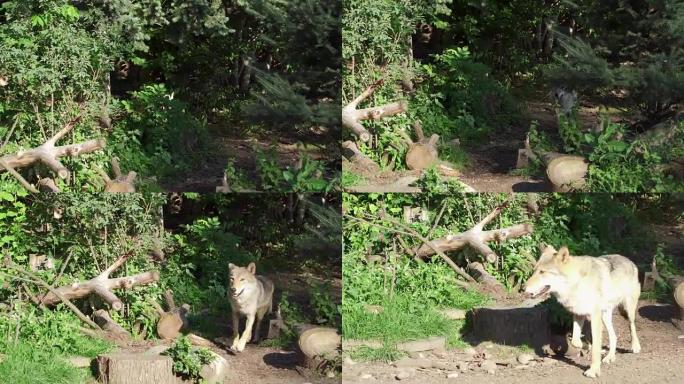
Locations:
(114, 331)
(102, 286)
(354, 154)
(352, 117)
(477, 238)
(481, 276)
(48, 154)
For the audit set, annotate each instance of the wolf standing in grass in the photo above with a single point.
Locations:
(590, 287)
(251, 296)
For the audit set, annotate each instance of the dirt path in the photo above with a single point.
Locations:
(660, 361)
(222, 149)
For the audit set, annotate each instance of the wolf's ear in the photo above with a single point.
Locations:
(231, 266)
(563, 254)
(251, 268)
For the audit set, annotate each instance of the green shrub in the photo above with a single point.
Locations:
(187, 360)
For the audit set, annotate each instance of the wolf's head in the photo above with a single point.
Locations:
(241, 278)
(549, 273)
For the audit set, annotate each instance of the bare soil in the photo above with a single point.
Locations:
(222, 149)
(660, 361)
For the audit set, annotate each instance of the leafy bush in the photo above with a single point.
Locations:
(187, 360)
(157, 135)
(308, 177)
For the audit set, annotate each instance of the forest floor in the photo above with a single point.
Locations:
(492, 164)
(223, 148)
(658, 363)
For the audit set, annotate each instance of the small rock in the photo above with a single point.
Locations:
(366, 376)
(680, 337)
(463, 366)
(416, 355)
(405, 374)
(408, 362)
(453, 314)
(348, 361)
(330, 374)
(215, 371)
(452, 375)
(525, 358)
(77, 361)
(532, 363)
(488, 366)
(487, 355)
(470, 351)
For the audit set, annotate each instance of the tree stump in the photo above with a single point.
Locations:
(135, 368)
(511, 325)
(318, 344)
(679, 299)
(423, 153)
(567, 173)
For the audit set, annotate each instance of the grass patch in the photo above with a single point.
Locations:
(455, 155)
(27, 364)
(350, 178)
(386, 353)
(401, 320)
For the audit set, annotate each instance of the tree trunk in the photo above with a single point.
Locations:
(135, 368)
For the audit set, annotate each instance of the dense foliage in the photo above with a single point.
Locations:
(148, 76)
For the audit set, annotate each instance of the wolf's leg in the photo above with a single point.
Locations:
(257, 330)
(607, 317)
(631, 308)
(247, 333)
(577, 324)
(236, 324)
(596, 339)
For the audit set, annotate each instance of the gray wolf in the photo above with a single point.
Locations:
(250, 296)
(589, 288)
(565, 99)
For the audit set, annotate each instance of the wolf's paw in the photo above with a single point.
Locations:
(576, 343)
(241, 346)
(610, 357)
(591, 372)
(236, 341)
